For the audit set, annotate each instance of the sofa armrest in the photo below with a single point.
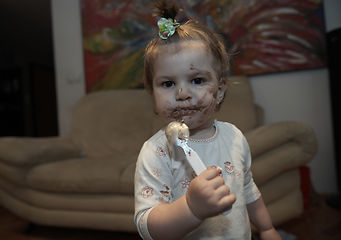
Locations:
(26, 151)
(270, 136)
(278, 147)
(259, 115)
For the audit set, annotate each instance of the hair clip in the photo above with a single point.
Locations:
(167, 27)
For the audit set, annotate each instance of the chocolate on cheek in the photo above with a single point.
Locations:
(211, 105)
(214, 93)
(168, 111)
(207, 109)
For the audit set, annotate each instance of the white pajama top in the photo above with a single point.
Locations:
(163, 175)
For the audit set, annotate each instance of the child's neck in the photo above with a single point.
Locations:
(203, 133)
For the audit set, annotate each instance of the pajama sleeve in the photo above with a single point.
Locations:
(250, 188)
(153, 181)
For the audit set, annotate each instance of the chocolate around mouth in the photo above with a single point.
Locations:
(186, 109)
(182, 112)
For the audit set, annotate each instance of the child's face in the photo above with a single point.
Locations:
(186, 87)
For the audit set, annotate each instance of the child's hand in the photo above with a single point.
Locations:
(208, 196)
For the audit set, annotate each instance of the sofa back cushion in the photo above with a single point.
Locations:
(113, 121)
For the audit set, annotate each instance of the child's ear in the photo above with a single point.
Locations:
(221, 89)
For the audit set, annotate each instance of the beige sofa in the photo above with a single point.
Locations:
(86, 180)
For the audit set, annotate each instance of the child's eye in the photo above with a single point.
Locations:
(197, 81)
(168, 84)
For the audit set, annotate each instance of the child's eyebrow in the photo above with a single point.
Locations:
(196, 71)
(164, 77)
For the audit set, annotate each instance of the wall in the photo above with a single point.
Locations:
(302, 95)
(68, 58)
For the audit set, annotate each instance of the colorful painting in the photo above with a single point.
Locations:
(263, 36)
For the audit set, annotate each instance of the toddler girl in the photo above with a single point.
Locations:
(185, 73)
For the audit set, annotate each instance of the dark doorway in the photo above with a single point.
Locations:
(44, 101)
(11, 102)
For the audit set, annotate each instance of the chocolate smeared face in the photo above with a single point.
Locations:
(186, 87)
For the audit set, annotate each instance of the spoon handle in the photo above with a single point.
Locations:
(195, 161)
(193, 158)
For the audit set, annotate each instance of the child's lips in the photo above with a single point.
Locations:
(184, 111)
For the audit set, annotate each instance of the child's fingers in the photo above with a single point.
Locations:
(222, 200)
(222, 191)
(217, 182)
(210, 173)
(227, 201)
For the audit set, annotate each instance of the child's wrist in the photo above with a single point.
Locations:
(190, 209)
(269, 234)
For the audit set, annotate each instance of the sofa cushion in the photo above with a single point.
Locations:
(24, 152)
(108, 203)
(85, 175)
(113, 122)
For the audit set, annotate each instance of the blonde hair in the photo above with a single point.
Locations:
(190, 31)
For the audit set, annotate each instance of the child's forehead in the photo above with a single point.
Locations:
(190, 59)
(170, 49)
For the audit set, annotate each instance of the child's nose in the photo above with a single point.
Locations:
(183, 94)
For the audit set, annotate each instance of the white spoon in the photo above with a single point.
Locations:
(177, 133)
